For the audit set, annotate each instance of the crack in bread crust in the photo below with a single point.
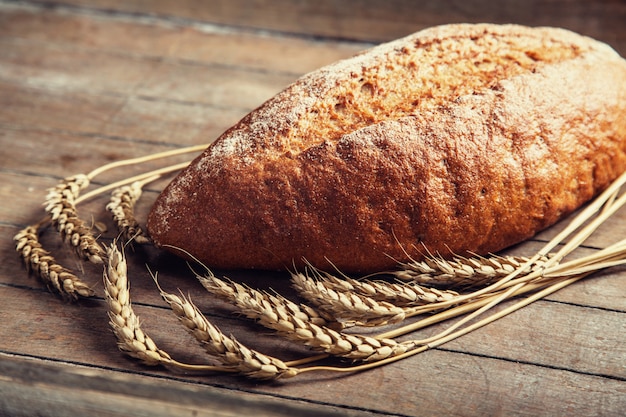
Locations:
(418, 77)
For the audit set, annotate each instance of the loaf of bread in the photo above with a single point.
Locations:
(457, 139)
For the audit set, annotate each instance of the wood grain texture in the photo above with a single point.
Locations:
(377, 21)
(83, 83)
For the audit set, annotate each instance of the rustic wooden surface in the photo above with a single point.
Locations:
(84, 82)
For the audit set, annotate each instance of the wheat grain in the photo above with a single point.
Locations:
(462, 271)
(125, 324)
(343, 306)
(60, 206)
(122, 205)
(41, 263)
(228, 350)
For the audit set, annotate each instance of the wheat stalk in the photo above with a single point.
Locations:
(60, 206)
(148, 158)
(122, 206)
(141, 177)
(41, 263)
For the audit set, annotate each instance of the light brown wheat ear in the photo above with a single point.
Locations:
(462, 272)
(125, 324)
(303, 324)
(122, 206)
(345, 306)
(400, 294)
(131, 339)
(41, 263)
(60, 206)
(231, 353)
(272, 311)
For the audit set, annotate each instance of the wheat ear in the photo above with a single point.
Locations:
(344, 306)
(230, 352)
(122, 207)
(464, 271)
(272, 311)
(126, 326)
(301, 323)
(400, 294)
(318, 337)
(41, 263)
(60, 206)
(130, 337)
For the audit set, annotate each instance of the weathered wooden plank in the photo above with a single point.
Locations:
(37, 108)
(377, 21)
(23, 192)
(32, 386)
(97, 116)
(158, 38)
(35, 386)
(64, 69)
(588, 340)
(137, 120)
(223, 87)
(61, 154)
(67, 68)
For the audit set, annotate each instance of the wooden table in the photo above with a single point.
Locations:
(83, 83)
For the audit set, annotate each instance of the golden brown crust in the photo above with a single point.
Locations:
(498, 133)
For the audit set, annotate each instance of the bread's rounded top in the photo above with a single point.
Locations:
(423, 71)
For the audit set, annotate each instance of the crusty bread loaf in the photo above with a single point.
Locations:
(459, 138)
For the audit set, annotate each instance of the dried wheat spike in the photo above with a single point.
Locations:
(61, 208)
(272, 311)
(351, 346)
(352, 307)
(122, 206)
(297, 323)
(399, 294)
(463, 272)
(41, 263)
(126, 326)
(230, 352)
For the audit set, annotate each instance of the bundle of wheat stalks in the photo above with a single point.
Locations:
(429, 291)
